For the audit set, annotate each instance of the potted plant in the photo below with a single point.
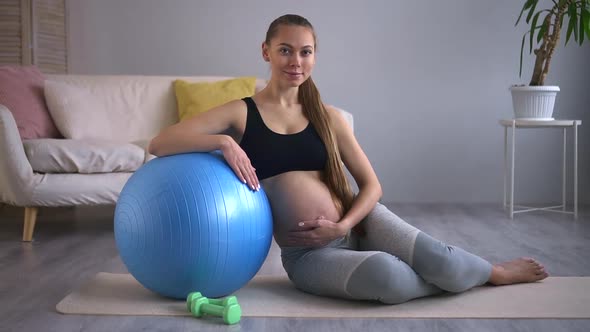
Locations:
(535, 101)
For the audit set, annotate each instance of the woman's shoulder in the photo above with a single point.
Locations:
(337, 120)
(331, 109)
(334, 114)
(231, 112)
(232, 106)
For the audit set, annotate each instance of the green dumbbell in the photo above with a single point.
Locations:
(231, 313)
(221, 302)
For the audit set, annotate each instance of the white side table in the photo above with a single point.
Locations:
(564, 124)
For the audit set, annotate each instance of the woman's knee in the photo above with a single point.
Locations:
(382, 277)
(448, 274)
(386, 232)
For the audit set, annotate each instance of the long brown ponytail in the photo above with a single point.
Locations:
(314, 109)
(334, 175)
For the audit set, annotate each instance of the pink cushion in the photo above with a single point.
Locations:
(21, 91)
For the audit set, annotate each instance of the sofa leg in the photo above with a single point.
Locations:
(30, 219)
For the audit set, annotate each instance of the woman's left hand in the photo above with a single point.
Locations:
(315, 233)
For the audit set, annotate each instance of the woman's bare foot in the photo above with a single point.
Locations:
(517, 271)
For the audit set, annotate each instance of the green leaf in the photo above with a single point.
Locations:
(533, 28)
(521, 51)
(561, 3)
(570, 29)
(572, 25)
(526, 6)
(531, 12)
(582, 28)
(573, 13)
(586, 21)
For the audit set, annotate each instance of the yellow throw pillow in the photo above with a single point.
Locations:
(194, 98)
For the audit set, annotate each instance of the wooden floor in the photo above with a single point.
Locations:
(72, 245)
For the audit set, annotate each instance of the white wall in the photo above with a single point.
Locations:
(427, 81)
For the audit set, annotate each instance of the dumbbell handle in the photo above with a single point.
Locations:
(212, 309)
(231, 313)
(221, 301)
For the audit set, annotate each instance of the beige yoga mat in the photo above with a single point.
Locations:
(275, 296)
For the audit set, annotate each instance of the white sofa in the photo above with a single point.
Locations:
(111, 120)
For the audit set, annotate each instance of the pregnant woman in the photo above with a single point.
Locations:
(333, 242)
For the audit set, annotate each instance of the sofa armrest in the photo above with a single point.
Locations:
(16, 174)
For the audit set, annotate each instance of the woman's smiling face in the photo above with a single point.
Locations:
(291, 54)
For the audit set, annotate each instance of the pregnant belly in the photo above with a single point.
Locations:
(297, 196)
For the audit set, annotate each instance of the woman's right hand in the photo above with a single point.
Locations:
(240, 163)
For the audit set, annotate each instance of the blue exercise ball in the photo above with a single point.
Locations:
(186, 223)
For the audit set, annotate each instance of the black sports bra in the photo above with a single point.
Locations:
(272, 153)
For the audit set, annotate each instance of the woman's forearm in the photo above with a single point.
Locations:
(171, 143)
(363, 203)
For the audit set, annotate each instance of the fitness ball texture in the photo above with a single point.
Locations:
(186, 223)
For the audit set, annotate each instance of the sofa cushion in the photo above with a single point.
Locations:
(21, 91)
(80, 114)
(194, 98)
(83, 156)
(144, 144)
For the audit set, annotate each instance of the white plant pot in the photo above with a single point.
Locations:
(533, 102)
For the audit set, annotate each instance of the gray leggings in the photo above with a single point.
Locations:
(393, 263)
